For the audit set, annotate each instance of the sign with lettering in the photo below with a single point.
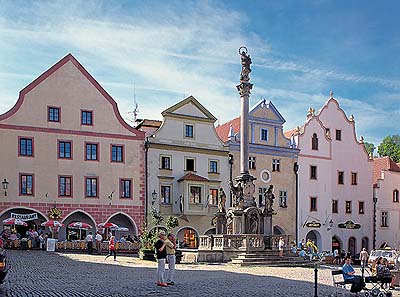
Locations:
(349, 225)
(313, 224)
(25, 217)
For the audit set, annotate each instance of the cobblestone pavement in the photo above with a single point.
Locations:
(38, 273)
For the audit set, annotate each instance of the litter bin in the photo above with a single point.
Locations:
(24, 244)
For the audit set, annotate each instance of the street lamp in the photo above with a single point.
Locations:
(374, 200)
(5, 186)
(154, 196)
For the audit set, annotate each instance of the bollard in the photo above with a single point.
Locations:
(316, 282)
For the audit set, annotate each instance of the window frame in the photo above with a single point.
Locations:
(32, 175)
(59, 141)
(162, 199)
(122, 147)
(194, 164)
(335, 206)
(338, 134)
(70, 177)
(32, 139)
(194, 198)
(214, 200)
(340, 178)
(185, 134)
(276, 165)
(395, 196)
(283, 199)
(361, 207)
(348, 207)
(384, 219)
(97, 144)
(252, 162)
(97, 186)
(210, 168)
(313, 206)
(314, 175)
(166, 157)
(354, 178)
(91, 117)
(122, 188)
(314, 142)
(49, 108)
(264, 132)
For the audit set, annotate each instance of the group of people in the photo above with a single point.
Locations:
(34, 239)
(165, 250)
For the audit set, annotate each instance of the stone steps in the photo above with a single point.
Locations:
(269, 258)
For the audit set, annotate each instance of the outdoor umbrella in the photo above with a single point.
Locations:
(80, 226)
(52, 223)
(12, 221)
(107, 225)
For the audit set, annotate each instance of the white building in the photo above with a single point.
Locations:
(335, 181)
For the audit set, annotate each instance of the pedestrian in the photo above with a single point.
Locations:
(170, 245)
(161, 252)
(41, 241)
(89, 241)
(336, 257)
(111, 248)
(281, 244)
(363, 257)
(98, 239)
(300, 244)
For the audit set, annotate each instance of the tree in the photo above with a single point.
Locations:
(390, 147)
(370, 147)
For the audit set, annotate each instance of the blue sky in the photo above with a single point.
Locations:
(301, 50)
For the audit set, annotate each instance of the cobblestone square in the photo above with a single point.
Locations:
(37, 273)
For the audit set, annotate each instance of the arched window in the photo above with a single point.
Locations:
(314, 142)
(396, 196)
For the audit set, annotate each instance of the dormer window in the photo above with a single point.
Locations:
(314, 142)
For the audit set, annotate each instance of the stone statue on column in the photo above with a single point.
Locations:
(221, 201)
(246, 61)
(269, 199)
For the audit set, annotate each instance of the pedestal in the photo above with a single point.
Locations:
(221, 223)
(268, 224)
(237, 222)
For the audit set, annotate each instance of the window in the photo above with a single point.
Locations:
(314, 142)
(117, 153)
(126, 188)
(283, 199)
(213, 167)
(64, 149)
(396, 196)
(165, 162)
(264, 134)
(213, 196)
(338, 134)
(53, 114)
(252, 162)
(276, 165)
(313, 172)
(189, 164)
(334, 206)
(65, 186)
(26, 184)
(195, 194)
(384, 219)
(354, 178)
(340, 177)
(313, 203)
(87, 117)
(166, 194)
(91, 187)
(348, 206)
(26, 147)
(91, 152)
(261, 192)
(361, 207)
(189, 131)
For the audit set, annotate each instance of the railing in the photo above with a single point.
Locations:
(271, 241)
(230, 242)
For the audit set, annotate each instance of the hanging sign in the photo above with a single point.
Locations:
(313, 224)
(25, 217)
(349, 225)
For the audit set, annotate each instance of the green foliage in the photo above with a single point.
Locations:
(370, 147)
(171, 223)
(390, 146)
(147, 238)
(156, 217)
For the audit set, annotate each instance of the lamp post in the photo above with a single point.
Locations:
(5, 186)
(374, 200)
(296, 172)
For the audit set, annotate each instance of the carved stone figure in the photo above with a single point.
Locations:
(269, 199)
(237, 191)
(246, 61)
(221, 200)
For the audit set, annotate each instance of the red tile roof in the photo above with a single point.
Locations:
(384, 163)
(289, 133)
(193, 177)
(223, 130)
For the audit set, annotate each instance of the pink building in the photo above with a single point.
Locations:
(335, 181)
(65, 145)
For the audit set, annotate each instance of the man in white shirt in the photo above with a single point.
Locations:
(89, 240)
(99, 239)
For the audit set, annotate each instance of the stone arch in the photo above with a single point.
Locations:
(365, 243)
(352, 247)
(23, 207)
(278, 230)
(314, 235)
(211, 231)
(77, 215)
(118, 218)
(337, 243)
(188, 237)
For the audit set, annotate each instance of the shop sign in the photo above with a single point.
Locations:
(313, 224)
(349, 225)
(25, 217)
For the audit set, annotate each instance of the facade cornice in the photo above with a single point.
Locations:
(187, 117)
(172, 147)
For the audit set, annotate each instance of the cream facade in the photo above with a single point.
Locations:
(271, 161)
(335, 181)
(187, 164)
(66, 146)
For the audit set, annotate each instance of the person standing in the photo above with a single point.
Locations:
(281, 244)
(98, 239)
(363, 257)
(89, 241)
(111, 248)
(161, 252)
(170, 245)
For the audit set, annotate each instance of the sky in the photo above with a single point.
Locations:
(164, 51)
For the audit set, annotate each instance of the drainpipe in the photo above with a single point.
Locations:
(146, 150)
(296, 172)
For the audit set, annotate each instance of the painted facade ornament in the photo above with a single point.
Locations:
(55, 213)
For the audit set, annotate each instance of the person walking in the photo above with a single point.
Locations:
(170, 245)
(363, 257)
(161, 252)
(89, 241)
(98, 239)
(111, 248)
